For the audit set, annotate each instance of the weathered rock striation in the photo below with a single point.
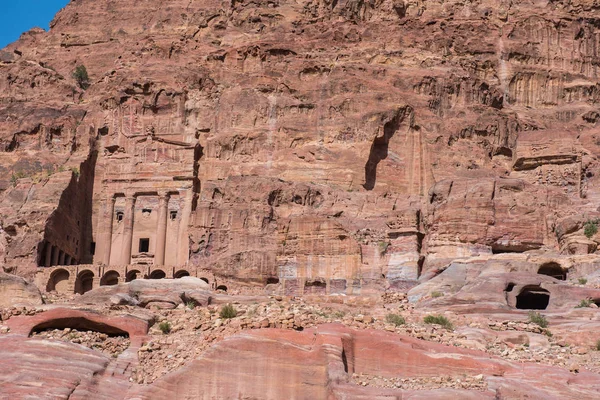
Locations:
(331, 146)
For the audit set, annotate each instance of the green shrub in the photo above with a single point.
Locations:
(538, 319)
(383, 246)
(338, 314)
(439, 320)
(435, 295)
(81, 77)
(582, 281)
(75, 171)
(191, 304)
(165, 327)
(590, 227)
(584, 303)
(395, 319)
(228, 311)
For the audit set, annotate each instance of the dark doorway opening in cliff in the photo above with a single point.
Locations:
(554, 270)
(379, 150)
(509, 287)
(222, 287)
(204, 279)
(533, 298)
(272, 281)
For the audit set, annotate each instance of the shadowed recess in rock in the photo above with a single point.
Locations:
(379, 149)
(81, 324)
(533, 298)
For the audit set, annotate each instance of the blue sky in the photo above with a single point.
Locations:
(18, 16)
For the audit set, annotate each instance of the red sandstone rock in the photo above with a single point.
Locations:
(318, 363)
(15, 290)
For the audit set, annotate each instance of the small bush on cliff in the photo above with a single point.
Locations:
(538, 319)
(165, 327)
(590, 228)
(395, 319)
(191, 304)
(435, 295)
(584, 303)
(439, 320)
(228, 311)
(81, 77)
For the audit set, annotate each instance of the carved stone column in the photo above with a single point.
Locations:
(48, 256)
(127, 230)
(61, 258)
(161, 231)
(54, 256)
(109, 216)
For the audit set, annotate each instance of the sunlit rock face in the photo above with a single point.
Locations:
(328, 147)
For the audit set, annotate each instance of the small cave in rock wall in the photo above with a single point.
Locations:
(554, 270)
(533, 298)
(272, 281)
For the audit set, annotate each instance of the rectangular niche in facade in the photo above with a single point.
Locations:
(144, 245)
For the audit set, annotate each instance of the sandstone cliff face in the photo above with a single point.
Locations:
(357, 142)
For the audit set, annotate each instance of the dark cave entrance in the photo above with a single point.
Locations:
(533, 298)
(554, 270)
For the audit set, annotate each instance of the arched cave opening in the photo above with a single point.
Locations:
(59, 281)
(110, 278)
(222, 287)
(132, 275)
(79, 323)
(554, 270)
(533, 298)
(157, 274)
(84, 282)
(181, 274)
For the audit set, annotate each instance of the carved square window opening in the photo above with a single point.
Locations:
(144, 245)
